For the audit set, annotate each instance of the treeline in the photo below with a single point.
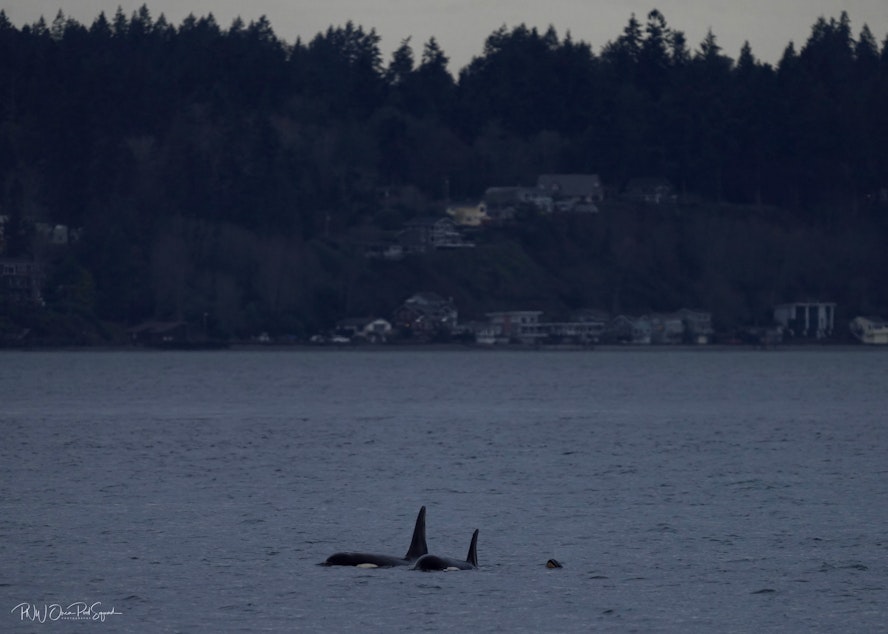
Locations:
(209, 166)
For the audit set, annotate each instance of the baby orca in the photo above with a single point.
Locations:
(417, 549)
(428, 563)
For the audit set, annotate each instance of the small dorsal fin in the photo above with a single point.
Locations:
(418, 546)
(472, 558)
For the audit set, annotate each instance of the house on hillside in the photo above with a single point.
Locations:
(468, 214)
(870, 330)
(424, 234)
(503, 203)
(813, 320)
(577, 193)
(56, 234)
(21, 281)
(425, 315)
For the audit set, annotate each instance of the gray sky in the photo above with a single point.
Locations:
(461, 26)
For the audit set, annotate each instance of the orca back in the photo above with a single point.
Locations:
(417, 549)
(428, 563)
(418, 546)
(364, 560)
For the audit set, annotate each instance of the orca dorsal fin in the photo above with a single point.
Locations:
(472, 557)
(418, 546)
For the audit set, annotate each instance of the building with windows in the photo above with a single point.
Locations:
(810, 320)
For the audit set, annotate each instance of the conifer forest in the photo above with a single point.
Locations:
(227, 177)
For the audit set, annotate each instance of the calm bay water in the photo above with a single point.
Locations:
(683, 490)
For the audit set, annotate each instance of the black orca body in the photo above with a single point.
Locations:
(417, 549)
(428, 563)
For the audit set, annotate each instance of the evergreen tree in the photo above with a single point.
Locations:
(433, 81)
(401, 67)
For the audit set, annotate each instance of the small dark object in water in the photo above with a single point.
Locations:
(553, 563)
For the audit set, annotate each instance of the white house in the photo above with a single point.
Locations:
(374, 330)
(870, 330)
(468, 214)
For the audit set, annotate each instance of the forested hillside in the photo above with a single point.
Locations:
(220, 174)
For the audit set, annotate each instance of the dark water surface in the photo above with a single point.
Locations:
(684, 490)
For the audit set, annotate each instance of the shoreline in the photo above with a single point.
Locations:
(454, 347)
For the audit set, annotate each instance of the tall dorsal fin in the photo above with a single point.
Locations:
(418, 546)
(472, 558)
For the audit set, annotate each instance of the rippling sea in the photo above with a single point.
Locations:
(683, 490)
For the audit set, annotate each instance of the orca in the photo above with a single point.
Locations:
(428, 563)
(417, 549)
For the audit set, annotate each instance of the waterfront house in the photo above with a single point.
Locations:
(572, 332)
(426, 314)
(629, 329)
(667, 328)
(814, 320)
(698, 327)
(484, 332)
(517, 325)
(370, 329)
(527, 327)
